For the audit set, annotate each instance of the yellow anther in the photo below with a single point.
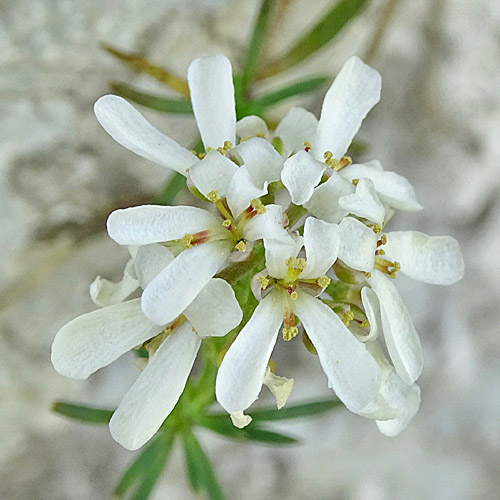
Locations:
(241, 246)
(290, 262)
(187, 239)
(208, 149)
(213, 196)
(202, 155)
(258, 206)
(300, 264)
(377, 228)
(345, 161)
(227, 145)
(260, 134)
(221, 150)
(294, 295)
(347, 317)
(368, 275)
(323, 281)
(355, 181)
(307, 144)
(263, 282)
(364, 324)
(226, 223)
(383, 239)
(290, 333)
(328, 156)
(381, 252)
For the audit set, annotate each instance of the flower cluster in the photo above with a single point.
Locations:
(327, 271)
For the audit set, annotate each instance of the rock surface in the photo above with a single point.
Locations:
(60, 175)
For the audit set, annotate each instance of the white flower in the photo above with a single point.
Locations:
(351, 370)
(431, 259)
(98, 338)
(203, 242)
(353, 93)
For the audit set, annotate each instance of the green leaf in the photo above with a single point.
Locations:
(323, 32)
(286, 413)
(295, 411)
(200, 472)
(303, 87)
(256, 44)
(141, 64)
(82, 413)
(221, 424)
(159, 103)
(143, 473)
(172, 188)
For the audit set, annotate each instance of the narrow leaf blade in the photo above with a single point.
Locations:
(299, 88)
(200, 471)
(143, 473)
(322, 33)
(82, 413)
(172, 188)
(141, 64)
(158, 103)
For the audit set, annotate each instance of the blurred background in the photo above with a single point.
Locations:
(438, 123)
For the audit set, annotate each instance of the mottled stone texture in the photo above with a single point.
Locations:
(438, 123)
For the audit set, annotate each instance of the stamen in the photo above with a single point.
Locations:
(290, 262)
(213, 196)
(227, 145)
(323, 281)
(263, 282)
(307, 146)
(364, 324)
(208, 149)
(258, 206)
(376, 228)
(294, 295)
(227, 224)
(355, 181)
(300, 264)
(290, 333)
(187, 240)
(347, 317)
(241, 246)
(328, 156)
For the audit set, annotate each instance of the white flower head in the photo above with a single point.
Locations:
(294, 284)
(319, 176)
(94, 340)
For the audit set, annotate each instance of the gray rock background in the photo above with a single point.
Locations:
(438, 124)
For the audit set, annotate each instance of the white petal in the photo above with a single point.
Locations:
(215, 311)
(321, 242)
(149, 261)
(372, 309)
(431, 259)
(352, 371)
(211, 88)
(297, 126)
(242, 191)
(395, 396)
(214, 172)
(241, 373)
(352, 95)
(98, 338)
(324, 200)
(157, 389)
(156, 223)
(106, 293)
(281, 387)
(130, 129)
(239, 419)
(301, 174)
(263, 162)
(357, 244)
(400, 335)
(393, 189)
(364, 202)
(251, 126)
(278, 252)
(268, 225)
(180, 282)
